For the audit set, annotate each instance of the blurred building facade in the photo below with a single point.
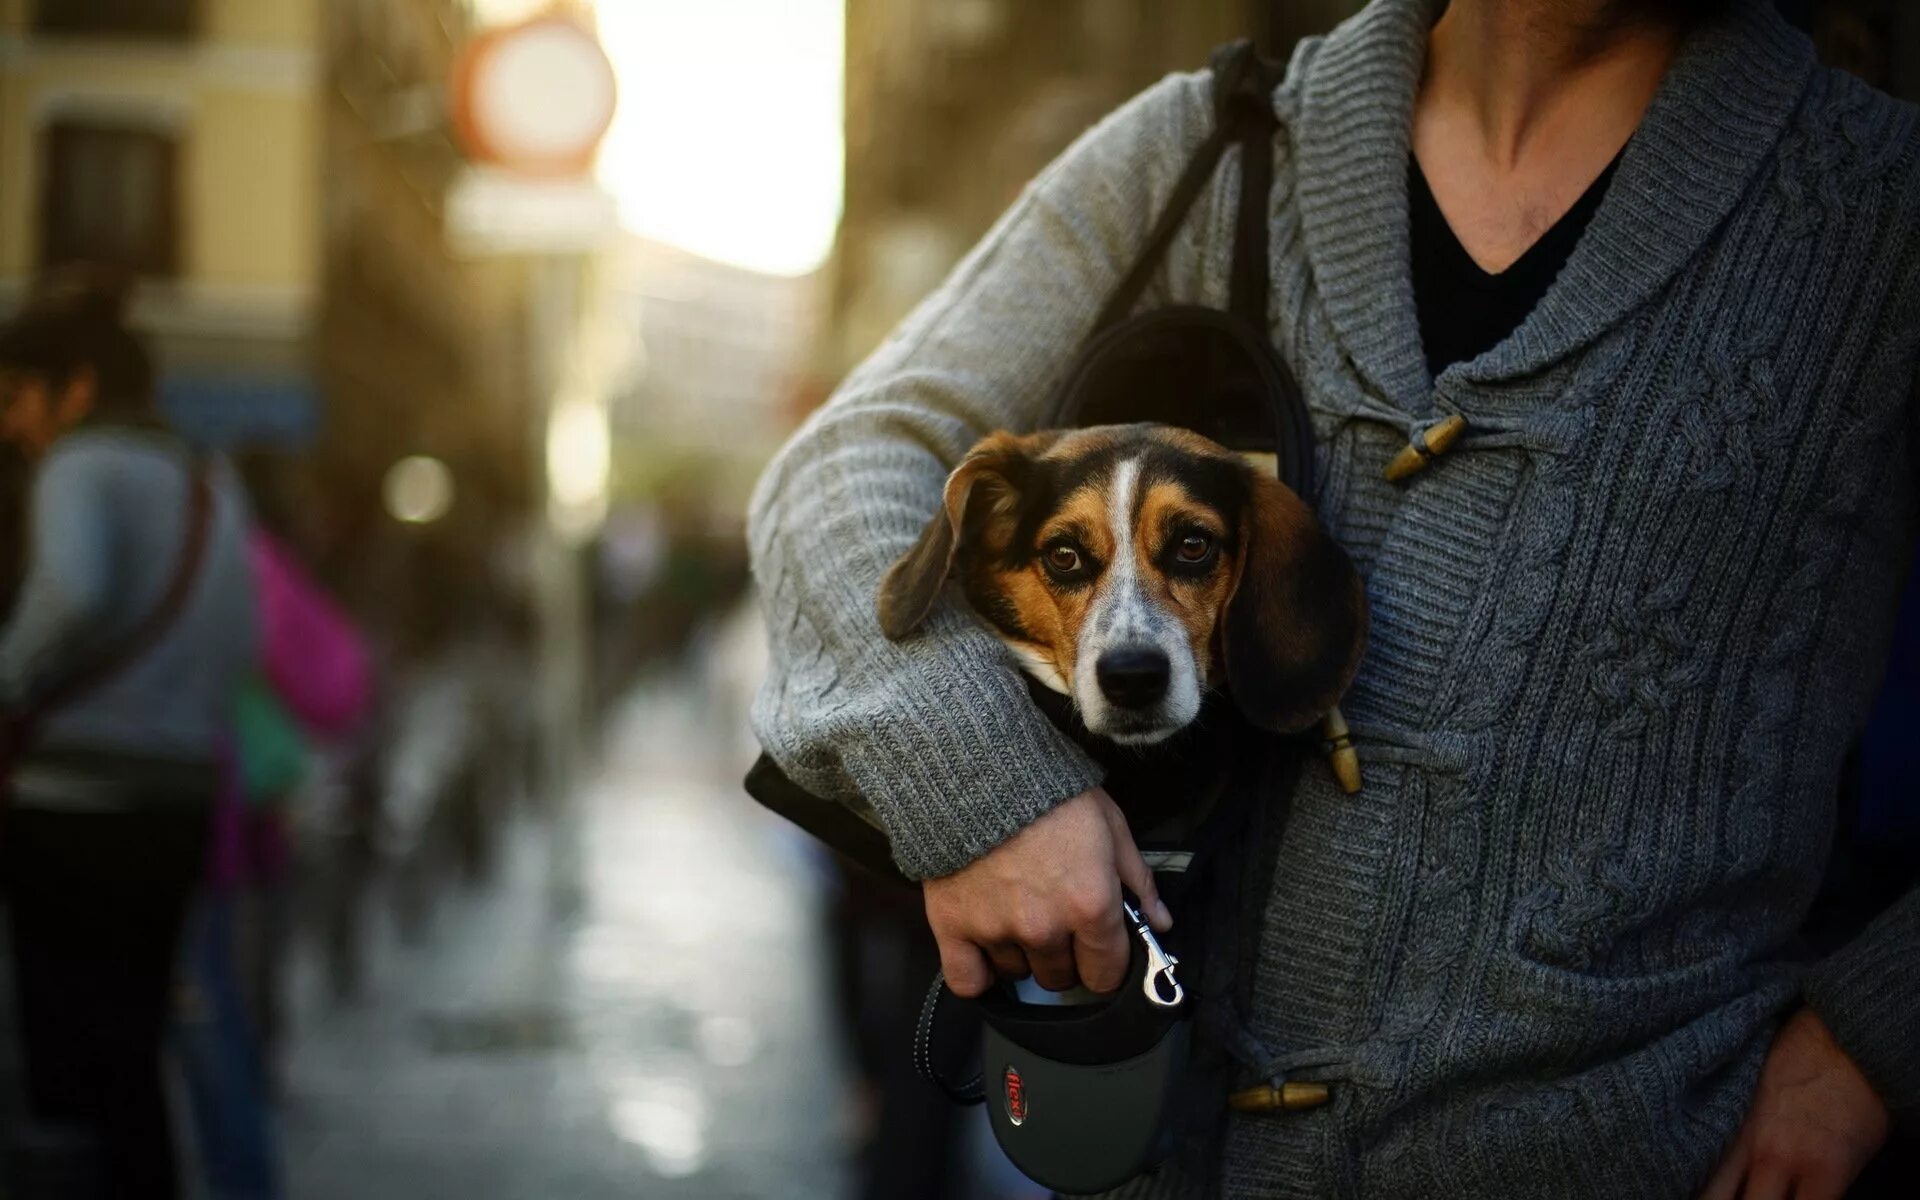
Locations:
(713, 365)
(421, 352)
(277, 177)
(274, 174)
(179, 139)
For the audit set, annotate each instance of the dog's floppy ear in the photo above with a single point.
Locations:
(1296, 622)
(986, 481)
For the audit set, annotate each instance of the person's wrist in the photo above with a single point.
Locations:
(1814, 1122)
(1863, 994)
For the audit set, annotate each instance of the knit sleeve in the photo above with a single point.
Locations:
(1866, 994)
(937, 732)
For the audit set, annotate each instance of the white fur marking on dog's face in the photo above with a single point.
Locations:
(1122, 617)
(1040, 665)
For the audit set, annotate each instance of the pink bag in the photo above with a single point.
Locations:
(314, 657)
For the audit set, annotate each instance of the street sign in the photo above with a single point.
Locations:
(494, 212)
(534, 98)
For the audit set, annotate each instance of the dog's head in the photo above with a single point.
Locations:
(1126, 564)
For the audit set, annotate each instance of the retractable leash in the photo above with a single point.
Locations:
(1077, 1093)
(1085, 1096)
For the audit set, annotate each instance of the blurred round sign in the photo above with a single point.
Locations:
(534, 98)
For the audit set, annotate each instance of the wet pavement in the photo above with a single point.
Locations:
(668, 1039)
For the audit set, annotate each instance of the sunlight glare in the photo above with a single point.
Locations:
(728, 137)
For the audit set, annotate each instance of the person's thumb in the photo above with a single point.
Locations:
(1133, 872)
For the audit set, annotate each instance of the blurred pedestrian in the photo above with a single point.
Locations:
(314, 681)
(118, 666)
(220, 1025)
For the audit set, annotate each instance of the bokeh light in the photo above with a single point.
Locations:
(418, 490)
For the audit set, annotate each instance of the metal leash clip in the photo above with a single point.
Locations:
(1160, 964)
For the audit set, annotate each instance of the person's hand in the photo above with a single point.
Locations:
(1045, 902)
(1814, 1124)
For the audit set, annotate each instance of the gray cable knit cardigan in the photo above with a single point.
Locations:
(1623, 632)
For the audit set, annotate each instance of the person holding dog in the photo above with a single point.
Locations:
(1608, 316)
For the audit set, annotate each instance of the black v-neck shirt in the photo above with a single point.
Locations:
(1463, 310)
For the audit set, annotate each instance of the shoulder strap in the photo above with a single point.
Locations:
(1243, 103)
(1242, 111)
(152, 627)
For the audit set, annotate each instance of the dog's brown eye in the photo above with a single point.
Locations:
(1195, 547)
(1064, 559)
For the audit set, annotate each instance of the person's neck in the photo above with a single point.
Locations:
(1517, 71)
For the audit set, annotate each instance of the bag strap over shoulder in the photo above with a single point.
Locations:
(1243, 85)
(1243, 102)
(150, 628)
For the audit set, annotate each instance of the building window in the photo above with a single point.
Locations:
(110, 197)
(115, 18)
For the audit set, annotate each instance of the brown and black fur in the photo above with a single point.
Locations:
(1277, 612)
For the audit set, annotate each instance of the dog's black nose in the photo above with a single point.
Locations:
(1133, 678)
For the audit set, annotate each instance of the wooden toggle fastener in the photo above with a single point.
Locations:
(1341, 756)
(1288, 1097)
(1427, 445)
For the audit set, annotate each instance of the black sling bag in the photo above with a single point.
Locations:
(1086, 1096)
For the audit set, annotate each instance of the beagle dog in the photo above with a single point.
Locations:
(1131, 568)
